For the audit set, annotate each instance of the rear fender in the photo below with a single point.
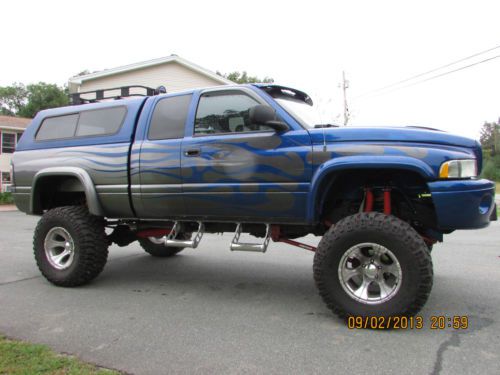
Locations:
(92, 199)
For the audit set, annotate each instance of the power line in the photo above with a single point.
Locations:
(428, 72)
(440, 75)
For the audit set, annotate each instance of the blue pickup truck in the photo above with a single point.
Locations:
(165, 169)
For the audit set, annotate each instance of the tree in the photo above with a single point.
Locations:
(42, 96)
(489, 136)
(490, 140)
(82, 73)
(243, 77)
(26, 101)
(12, 99)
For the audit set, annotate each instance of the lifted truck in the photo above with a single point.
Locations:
(166, 169)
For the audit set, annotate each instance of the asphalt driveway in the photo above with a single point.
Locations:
(210, 311)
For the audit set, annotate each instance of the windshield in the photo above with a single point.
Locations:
(304, 113)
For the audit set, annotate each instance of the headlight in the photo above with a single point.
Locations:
(458, 169)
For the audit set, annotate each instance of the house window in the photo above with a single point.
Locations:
(8, 143)
(6, 178)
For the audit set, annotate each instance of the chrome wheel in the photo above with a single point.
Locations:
(158, 240)
(59, 248)
(370, 273)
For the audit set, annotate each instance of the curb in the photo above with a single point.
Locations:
(8, 208)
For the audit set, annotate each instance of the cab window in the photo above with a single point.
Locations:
(225, 113)
(169, 118)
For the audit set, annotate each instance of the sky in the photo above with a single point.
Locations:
(302, 44)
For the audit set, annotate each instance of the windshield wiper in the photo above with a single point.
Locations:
(317, 126)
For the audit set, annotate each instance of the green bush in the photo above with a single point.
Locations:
(491, 168)
(6, 198)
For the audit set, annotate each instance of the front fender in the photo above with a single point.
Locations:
(360, 162)
(93, 202)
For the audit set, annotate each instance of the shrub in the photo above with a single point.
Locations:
(491, 169)
(6, 198)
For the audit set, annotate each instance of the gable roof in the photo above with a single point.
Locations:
(11, 122)
(149, 63)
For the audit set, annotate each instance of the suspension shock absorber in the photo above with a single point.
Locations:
(368, 199)
(387, 201)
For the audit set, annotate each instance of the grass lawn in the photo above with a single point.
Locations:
(497, 187)
(17, 357)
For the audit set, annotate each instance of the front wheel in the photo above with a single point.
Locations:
(371, 264)
(70, 246)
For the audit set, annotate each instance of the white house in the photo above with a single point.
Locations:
(173, 72)
(11, 129)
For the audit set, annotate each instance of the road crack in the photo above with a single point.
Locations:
(453, 340)
(476, 323)
(20, 280)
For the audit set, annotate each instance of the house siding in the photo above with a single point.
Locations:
(174, 76)
(10, 125)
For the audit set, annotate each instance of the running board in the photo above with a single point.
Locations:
(256, 247)
(170, 240)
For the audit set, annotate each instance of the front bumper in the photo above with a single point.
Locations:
(463, 204)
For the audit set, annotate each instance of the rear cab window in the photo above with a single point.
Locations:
(169, 118)
(97, 122)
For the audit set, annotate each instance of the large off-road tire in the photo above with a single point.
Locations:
(155, 247)
(371, 264)
(70, 246)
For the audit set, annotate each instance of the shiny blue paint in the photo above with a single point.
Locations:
(261, 176)
(156, 162)
(249, 159)
(390, 134)
(360, 163)
(429, 154)
(28, 142)
(443, 145)
(463, 204)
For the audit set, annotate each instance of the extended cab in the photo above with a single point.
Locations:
(165, 169)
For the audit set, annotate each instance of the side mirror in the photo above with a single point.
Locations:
(265, 115)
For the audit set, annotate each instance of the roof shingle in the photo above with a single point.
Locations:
(14, 122)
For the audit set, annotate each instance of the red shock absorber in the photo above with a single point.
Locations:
(368, 200)
(387, 201)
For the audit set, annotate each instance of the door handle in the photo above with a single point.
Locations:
(192, 152)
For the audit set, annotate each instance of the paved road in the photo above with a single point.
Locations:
(210, 311)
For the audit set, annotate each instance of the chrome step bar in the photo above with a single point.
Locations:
(256, 247)
(193, 243)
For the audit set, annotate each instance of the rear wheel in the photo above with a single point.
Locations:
(371, 264)
(155, 246)
(70, 246)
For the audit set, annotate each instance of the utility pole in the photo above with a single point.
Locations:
(345, 86)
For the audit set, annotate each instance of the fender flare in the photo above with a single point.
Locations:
(91, 196)
(348, 163)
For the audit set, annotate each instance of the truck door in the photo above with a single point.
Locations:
(238, 171)
(159, 173)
